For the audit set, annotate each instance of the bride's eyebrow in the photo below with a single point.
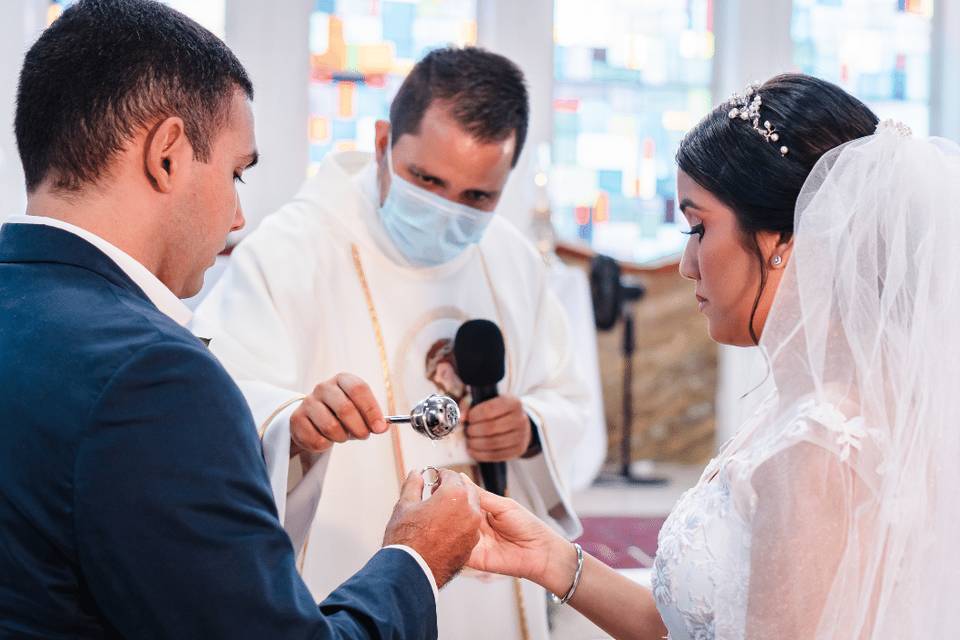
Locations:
(687, 203)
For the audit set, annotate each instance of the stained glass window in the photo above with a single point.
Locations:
(878, 50)
(360, 51)
(631, 76)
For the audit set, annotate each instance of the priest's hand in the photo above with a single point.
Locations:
(498, 430)
(340, 409)
(515, 542)
(443, 529)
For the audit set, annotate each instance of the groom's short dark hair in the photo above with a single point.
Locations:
(106, 69)
(486, 93)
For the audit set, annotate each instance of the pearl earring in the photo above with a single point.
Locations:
(776, 261)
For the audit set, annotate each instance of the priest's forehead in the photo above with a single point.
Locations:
(442, 152)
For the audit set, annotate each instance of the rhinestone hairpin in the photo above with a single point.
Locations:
(746, 107)
(896, 126)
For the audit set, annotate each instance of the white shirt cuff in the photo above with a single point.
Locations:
(423, 565)
(275, 440)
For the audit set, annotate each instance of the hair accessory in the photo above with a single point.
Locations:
(747, 107)
(896, 126)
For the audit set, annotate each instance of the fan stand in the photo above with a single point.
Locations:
(628, 474)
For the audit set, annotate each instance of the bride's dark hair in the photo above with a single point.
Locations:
(728, 158)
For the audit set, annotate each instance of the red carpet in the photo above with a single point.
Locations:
(621, 542)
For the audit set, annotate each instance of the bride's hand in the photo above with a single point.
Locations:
(515, 542)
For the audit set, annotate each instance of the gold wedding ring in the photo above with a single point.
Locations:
(431, 477)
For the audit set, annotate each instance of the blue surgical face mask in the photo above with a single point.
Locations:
(427, 229)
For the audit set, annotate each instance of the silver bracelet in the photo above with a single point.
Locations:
(555, 599)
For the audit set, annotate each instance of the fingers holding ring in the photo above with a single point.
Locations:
(431, 477)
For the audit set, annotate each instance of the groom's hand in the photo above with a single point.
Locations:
(339, 409)
(443, 529)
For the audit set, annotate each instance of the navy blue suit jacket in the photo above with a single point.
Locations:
(134, 499)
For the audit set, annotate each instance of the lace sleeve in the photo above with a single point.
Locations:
(809, 511)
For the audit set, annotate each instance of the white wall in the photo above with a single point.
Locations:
(271, 39)
(21, 24)
(522, 30)
(945, 84)
(753, 44)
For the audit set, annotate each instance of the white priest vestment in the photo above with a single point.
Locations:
(319, 289)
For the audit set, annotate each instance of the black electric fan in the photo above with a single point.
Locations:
(614, 297)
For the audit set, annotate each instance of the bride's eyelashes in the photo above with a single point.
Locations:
(695, 230)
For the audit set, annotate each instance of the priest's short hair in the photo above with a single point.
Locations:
(486, 92)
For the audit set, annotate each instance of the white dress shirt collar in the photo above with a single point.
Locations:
(157, 292)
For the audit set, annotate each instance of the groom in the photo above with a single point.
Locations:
(134, 498)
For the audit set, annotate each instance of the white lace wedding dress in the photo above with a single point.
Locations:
(833, 514)
(701, 578)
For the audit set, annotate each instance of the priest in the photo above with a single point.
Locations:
(371, 269)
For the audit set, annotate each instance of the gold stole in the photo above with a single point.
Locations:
(391, 401)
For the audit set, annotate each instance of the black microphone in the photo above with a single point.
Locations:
(480, 354)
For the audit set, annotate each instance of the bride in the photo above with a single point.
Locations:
(833, 513)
